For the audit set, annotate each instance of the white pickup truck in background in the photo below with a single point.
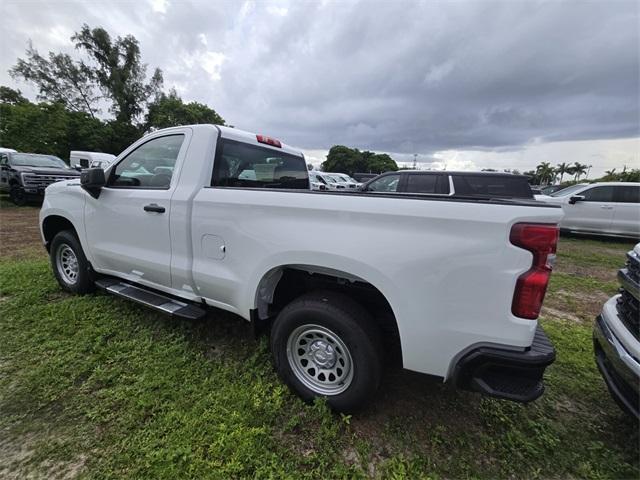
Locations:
(203, 216)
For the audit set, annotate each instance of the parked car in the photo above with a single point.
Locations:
(607, 208)
(7, 150)
(26, 175)
(353, 183)
(536, 189)
(450, 286)
(476, 184)
(316, 181)
(549, 189)
(331, 182)
(616, 338)
(79, 159)
(345, 180)
(364, 177)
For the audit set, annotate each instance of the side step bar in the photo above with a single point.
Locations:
(151, 299)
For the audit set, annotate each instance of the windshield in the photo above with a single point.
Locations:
(32, 160)
(567, 191)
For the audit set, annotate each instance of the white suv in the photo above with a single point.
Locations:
(609, 208)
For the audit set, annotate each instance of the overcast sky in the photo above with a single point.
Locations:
(463, 84)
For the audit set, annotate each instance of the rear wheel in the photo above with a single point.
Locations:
(70, 266)
(326, 345)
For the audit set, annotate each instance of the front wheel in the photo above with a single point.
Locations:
(326, 345)
(70, 266)
(18, 196)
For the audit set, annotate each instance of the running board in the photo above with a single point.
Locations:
(157, 301)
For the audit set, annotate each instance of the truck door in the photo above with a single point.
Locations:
(128, 225)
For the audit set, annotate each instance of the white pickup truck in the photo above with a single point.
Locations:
(194, 217)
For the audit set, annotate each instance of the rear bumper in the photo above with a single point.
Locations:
(509, 374)
(620, 370)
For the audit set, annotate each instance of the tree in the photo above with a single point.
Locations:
(119, 71)
(347, 160)
(52, 128)
(59, 79)
(578, 170)
(544, 172)
(561, 169)
(11, 96)
(169, 111)
(377, 163)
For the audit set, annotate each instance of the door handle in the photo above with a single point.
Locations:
(154, 207)
(606, 207)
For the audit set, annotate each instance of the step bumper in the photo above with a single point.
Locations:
(515, 375)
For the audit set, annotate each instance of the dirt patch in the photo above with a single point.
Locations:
(580, 307)
(19, 232)
(603, 274)
(17, 462)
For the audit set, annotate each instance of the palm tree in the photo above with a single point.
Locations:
(562, 168)
(579, 169)
(610, 173)
(544, 172)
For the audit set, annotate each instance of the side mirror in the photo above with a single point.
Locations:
(575, 199)
(92, 180)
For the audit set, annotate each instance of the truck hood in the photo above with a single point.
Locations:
(46, 170)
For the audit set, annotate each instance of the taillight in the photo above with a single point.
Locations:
(269, 141)
(541, 240)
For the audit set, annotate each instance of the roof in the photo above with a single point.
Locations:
(238, 135)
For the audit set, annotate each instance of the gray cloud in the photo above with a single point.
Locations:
(388, 76)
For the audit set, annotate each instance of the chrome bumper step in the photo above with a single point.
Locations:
(151, 299)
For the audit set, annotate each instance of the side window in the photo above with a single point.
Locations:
(148, 166)
(427, 183)
(598, 194)
(3, 159)
(627, 194)
(388, 183)
(242, 165)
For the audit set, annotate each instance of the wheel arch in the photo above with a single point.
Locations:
(54, 224)
(283, 283)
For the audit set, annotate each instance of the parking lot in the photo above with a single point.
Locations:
(100, 387)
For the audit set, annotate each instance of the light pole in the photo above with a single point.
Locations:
(415, 160)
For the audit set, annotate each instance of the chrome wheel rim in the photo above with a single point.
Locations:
(320, 359)
(67, 264)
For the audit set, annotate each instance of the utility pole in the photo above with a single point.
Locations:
(415, 161)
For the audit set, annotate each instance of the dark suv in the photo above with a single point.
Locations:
(26, 175)
(460, 184)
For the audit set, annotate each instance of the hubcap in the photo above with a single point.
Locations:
(67, 264)
(320, 359)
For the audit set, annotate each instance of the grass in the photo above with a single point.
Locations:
(95, 387)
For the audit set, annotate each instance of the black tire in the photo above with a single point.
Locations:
(352, 325)
(17, 196)
(83, 274)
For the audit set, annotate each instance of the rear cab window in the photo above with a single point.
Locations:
(242, 165)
